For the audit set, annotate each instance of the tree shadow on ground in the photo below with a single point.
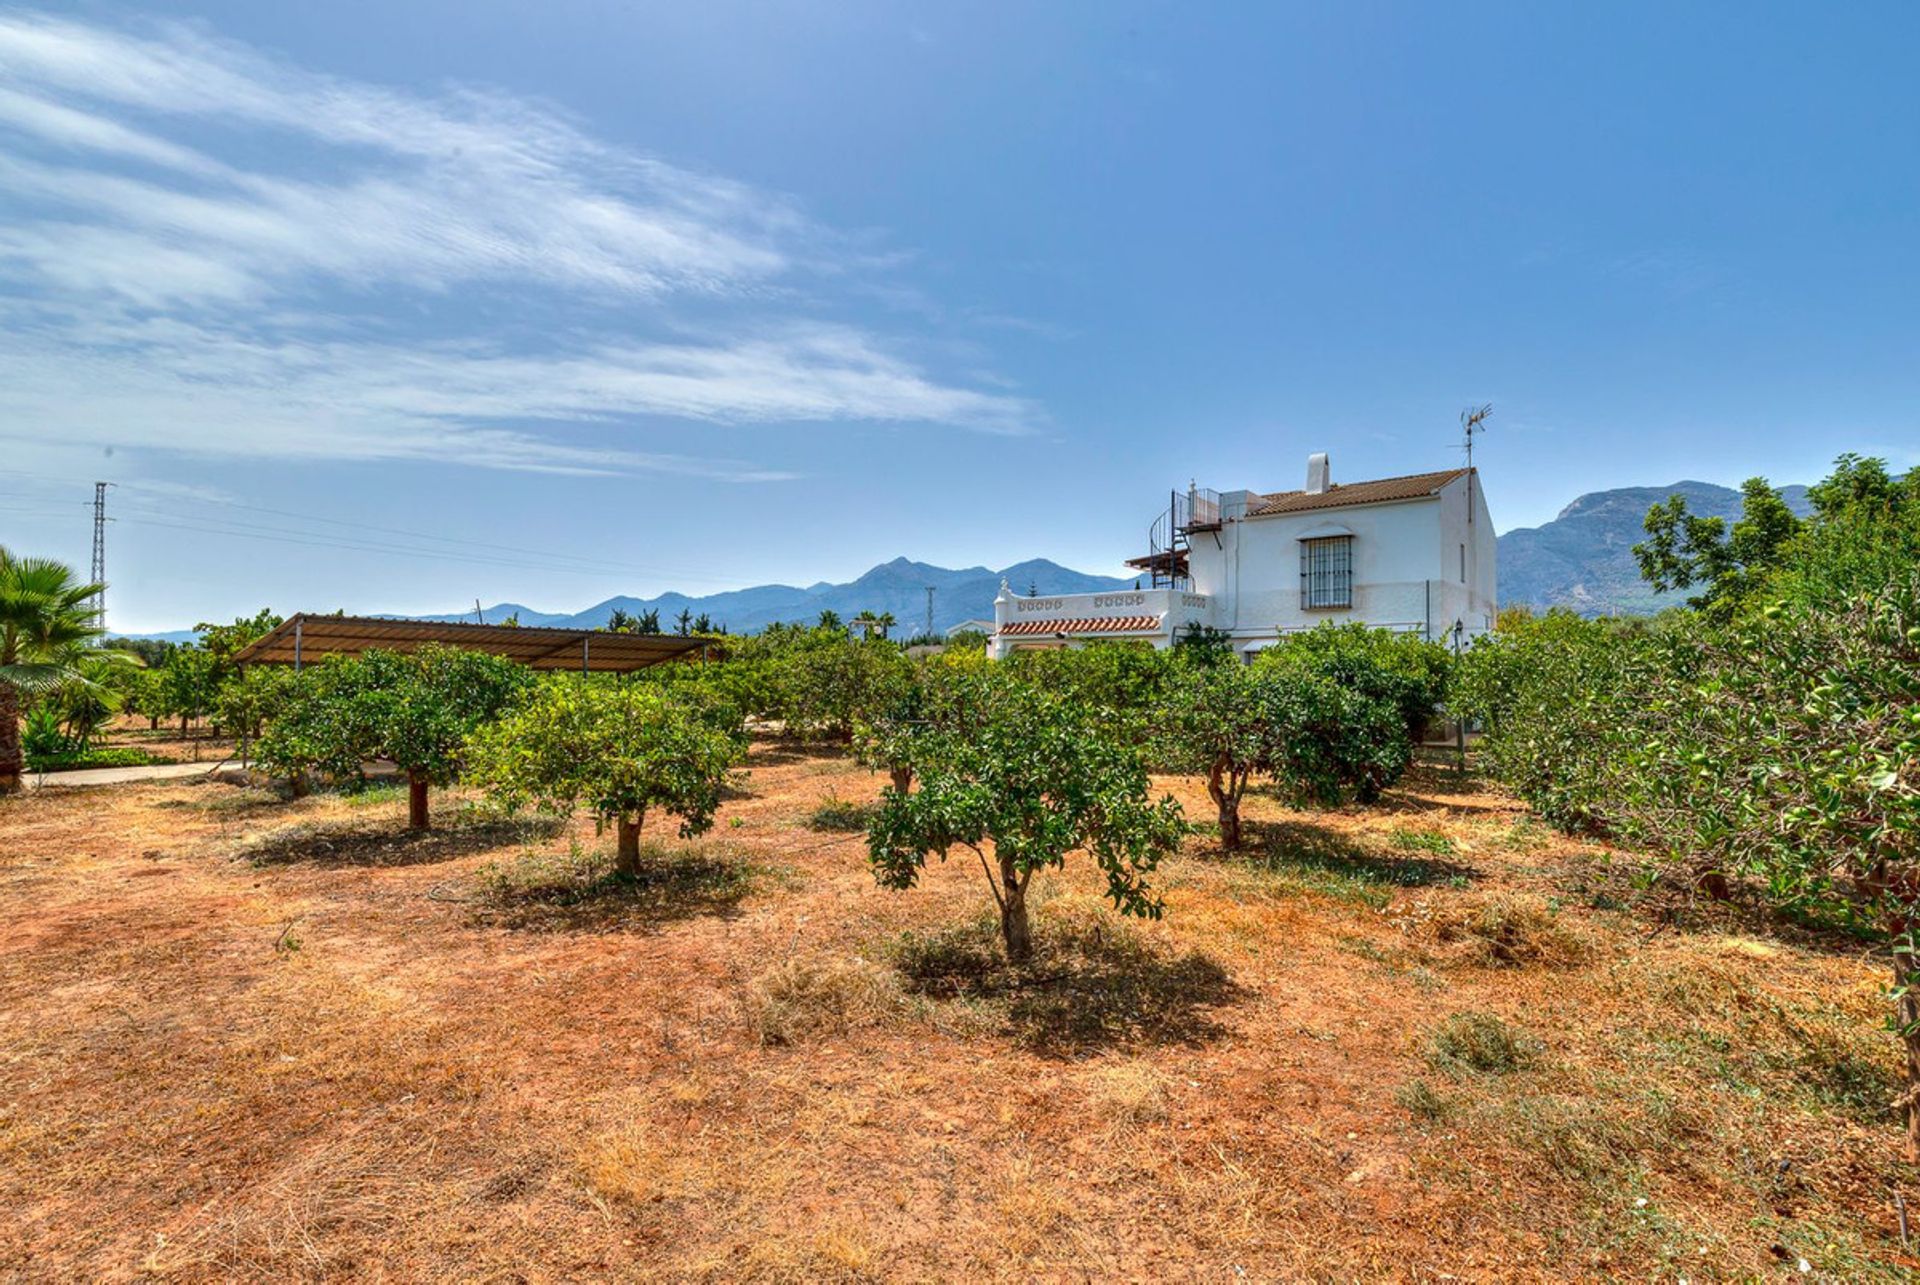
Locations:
(1320, 855)
(784, 751)
(219, 798)
(580, 891)
(1668, 899)
(366, 843)
(1433, 784)
(1094, 983)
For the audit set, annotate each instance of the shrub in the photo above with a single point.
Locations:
(100, 756)
(41, 736)
(1402, 668)
(1559, 699)
(1121, 683)
(829, 687)
(1369, 693)
(840, 816)
(1318, 741)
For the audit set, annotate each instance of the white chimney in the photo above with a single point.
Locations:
(1319, 477)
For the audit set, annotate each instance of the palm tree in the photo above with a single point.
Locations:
(46, 622)
(886, 622)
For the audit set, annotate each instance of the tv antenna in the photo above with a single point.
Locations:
(1473, 420)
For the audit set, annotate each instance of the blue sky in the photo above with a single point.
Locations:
(389, 306)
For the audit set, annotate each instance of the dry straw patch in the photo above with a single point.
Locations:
(1029, 1203)
(1508, 931)
(1126, 1093)
(807, 999)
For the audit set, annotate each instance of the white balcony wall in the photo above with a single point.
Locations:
(1171, 608)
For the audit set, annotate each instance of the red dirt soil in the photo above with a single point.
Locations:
(242, 1036)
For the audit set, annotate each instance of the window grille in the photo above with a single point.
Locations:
(1326, 572)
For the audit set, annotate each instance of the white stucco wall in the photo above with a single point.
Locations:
(1406, 566)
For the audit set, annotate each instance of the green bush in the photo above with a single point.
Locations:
(1781, 745)
(1373, 692)
(1120, 683)
(1402, 668)
(69, 760)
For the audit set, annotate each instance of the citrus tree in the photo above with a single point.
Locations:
(829, 683)
(1787, 748)
(617, 749)
(1032, 777)
(188, 685)
(1317, 740)
(1402, 668)
(940, 692)
(416, 709)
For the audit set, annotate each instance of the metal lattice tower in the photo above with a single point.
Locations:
(99, 574)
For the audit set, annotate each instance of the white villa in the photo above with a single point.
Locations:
(1412, 554)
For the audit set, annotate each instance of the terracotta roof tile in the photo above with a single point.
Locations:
(1412, 487)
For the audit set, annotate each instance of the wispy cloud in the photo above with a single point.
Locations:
(267, 306)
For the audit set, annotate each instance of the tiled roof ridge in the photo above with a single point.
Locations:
(1371, 481)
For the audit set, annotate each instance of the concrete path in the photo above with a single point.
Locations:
(379, 770)
(116, 775)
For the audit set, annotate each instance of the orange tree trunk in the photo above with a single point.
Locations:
(417, 817)
(1014, 929)
(628, 861)
(1227, 800)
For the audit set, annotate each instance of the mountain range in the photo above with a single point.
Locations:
(899, 587)
(1583, 559)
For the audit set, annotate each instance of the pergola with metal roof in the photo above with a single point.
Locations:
(302, 638)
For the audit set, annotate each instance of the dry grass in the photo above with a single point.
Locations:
(242, 1036)
(1509, 931)
(807, 999)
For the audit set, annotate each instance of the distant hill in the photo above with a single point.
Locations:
(899, 587)
(1583, 559)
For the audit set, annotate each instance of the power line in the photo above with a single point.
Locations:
(308, 539)
(547, 558)
(601, 563)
